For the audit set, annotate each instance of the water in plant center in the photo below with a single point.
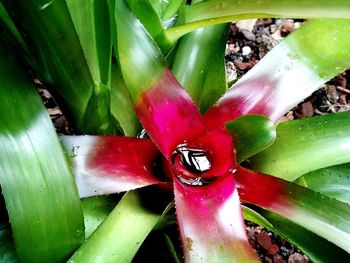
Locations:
(190, 164)
(195, 160)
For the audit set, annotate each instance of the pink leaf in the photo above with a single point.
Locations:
(111, 164)
(168, 114)
(211, 222)
(246, 97)
(325, 216)
(262, 190)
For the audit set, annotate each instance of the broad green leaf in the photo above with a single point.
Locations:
(221, 11)
(170, 13)
(156, 16)
(333, 181)
(251, 134)
(121, 105)
(51, 37)
(12, 29)
(158, 6)
(93, 26)
(317, 248)
(140, 59)
(165, 110)
(7, 248)
(305, 145)
(149, 18)
(120, 235)
(320, 214)
(289, 73)
(35, 178)
(215, 84)
(96, 210)
(167, 10)
(199, 65)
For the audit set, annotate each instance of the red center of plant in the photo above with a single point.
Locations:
(202, 160)
(191, 164)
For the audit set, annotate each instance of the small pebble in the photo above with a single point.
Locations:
(246, 50)
(307, 109)
(248, 35)
(343, 99)
(297, 258)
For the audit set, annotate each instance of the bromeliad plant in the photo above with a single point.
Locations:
(108, 64)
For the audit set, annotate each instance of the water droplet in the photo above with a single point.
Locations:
(233, 171)
(246, 50)
(143, 135)
(46, 5)
(74, 150)
(289, 66)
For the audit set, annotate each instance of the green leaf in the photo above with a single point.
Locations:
(49, 34)
(172, 251)
(170, 13)
(166, 10)
(35, 178)
(95, 31)
(93, 26)
(251, 134)
(305, 145)
(121, 105)
(149, 18)
(333, 181)
(158, 6)
(140, 59)
(120, 235)
(317, 248)
(335, 54)
(215, 84)
(12, 29)
(96, 210)
(199, 65)
(253, 216)
(214, 12)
